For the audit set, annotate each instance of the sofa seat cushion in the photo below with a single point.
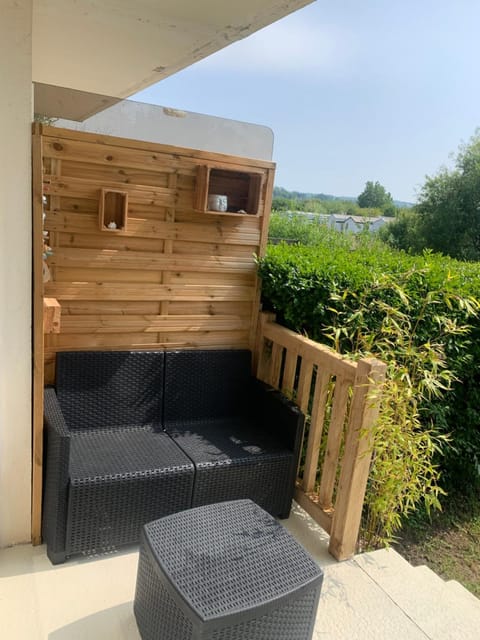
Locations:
(119, 480)
(234, 460)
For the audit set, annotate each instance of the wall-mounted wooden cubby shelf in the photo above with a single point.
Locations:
(242, 189)
(112, 210)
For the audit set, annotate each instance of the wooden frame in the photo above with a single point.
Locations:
(38, 347)
(242, 189)
(113, 210)
(338, 447)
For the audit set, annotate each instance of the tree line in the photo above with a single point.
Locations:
(374, 201)
(446, 218)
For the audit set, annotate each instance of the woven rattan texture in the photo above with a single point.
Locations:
(157, 615)
(120, 481)
(266, 482)
(292, 621)
(109, 469)
(205, 384)
(101, 389)
(229, 557)
(235, 459)
(121, 454)
(225, 572)
(54, 516)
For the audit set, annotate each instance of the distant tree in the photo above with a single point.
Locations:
(376, 196)
(449, 206)
(403, 232)
(446, 218)
(280, 203)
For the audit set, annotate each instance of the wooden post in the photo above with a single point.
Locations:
(38, 330)
(264, 317)
(52, 312)
(257, 314)
(356, 459)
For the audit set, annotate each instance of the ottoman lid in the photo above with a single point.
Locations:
(229, 562)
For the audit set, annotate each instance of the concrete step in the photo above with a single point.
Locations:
(428, 579)
(354, 607)
(440, 611)
(458, 588)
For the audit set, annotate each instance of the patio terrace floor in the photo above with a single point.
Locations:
(375, 596)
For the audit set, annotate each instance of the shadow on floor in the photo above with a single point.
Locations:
(115, 623)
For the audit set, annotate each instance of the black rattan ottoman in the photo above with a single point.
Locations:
(226, 571)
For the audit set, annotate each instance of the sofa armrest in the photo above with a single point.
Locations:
(279, 416)
(57, 446)
(52, 413)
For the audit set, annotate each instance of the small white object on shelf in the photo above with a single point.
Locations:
(217, 202)
(112, 225)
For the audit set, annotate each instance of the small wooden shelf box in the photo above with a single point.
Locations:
(242, 188)
(112, 210)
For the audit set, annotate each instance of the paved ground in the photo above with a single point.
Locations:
(375, 596)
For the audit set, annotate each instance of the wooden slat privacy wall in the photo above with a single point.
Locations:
(167, 274)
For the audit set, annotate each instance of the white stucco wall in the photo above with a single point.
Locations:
(152, 123)
(15, 270)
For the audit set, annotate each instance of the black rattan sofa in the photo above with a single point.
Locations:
(133, 436)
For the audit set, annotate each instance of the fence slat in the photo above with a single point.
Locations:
(315, 431)
(334, 441)
(304, 384)
(273, 376)
(288, 380)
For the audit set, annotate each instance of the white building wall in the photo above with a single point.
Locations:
(15, 270)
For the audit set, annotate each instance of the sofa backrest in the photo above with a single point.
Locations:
(205, 384)
(103, 389)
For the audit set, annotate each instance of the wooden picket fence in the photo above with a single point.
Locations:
(341, 401)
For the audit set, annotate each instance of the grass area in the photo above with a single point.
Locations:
(448, 542)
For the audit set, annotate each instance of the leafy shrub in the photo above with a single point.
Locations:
(411, 312)
(404, 472)
(295, 228)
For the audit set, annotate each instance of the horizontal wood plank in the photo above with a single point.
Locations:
(56, 137)
(100, 291)
(90, 189)
(194, 232)
(120, 175)
(198, 339)
(152, 323)
(113, 259)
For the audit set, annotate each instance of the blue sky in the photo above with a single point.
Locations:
(354, 91)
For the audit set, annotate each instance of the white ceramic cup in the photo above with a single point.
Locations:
(217, 202)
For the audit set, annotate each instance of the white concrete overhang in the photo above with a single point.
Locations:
(114, 48)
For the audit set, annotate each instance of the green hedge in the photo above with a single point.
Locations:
(311, 287)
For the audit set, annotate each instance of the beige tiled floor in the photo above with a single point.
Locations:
(373, 597)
